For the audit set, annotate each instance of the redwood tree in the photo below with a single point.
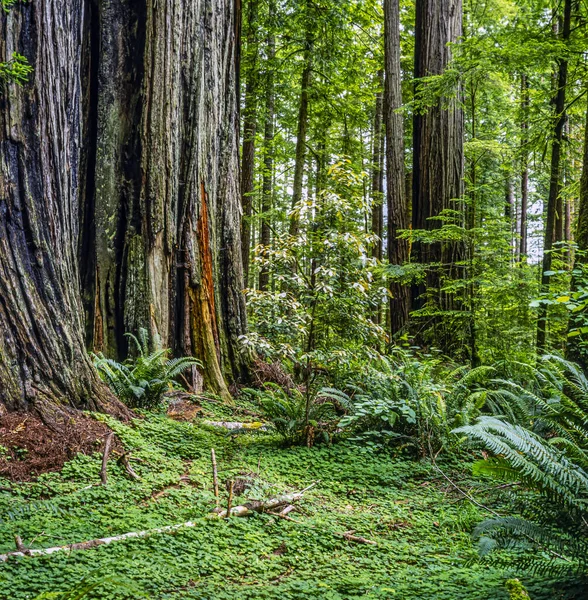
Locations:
(119, 192)
(438, 159)
(395, 178)
(552, 232)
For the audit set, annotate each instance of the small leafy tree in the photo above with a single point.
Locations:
(327, 282)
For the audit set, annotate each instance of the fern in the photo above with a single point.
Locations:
(142, 382)
(297, 416)
(555, 526)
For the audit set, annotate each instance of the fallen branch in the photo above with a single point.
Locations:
(214, 475)
(356, 538)
(97, 542)
(237, 425)
(107, 446)
(259, 507)
(124, 461)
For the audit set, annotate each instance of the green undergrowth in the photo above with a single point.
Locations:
(422, 526)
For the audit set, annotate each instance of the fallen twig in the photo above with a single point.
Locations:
(348, 535)
(230, 501)
(124, 461)
(281, 515)
(214, 475)
(107, 446)
(19, 545)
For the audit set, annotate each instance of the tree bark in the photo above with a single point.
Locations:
(377, 179)
(43, 361)
(438, 159)
(554, 179)
(300, 157)
(129, 126)
(524, 166)
(249, 130)
(268, 156)
(395, 179)
(576, 349)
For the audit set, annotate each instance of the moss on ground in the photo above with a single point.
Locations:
(421, 525)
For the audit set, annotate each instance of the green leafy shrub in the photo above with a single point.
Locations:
(300, 417)
(16, 70)
(141, 382)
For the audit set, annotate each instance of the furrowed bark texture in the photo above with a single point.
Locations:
(166, 180)
(438, 147)
(43, 361)
(249, 129)
(395, 176)
(129, 126)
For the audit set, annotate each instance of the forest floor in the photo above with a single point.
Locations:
(420, 523)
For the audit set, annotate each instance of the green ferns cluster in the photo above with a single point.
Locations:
(546, 456)
(143, 381)
(300, 417)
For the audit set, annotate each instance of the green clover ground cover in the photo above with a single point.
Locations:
(421, 525)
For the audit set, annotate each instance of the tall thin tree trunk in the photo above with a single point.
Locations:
(395, 178)
(554, 178)
(249, 130)
(576, 349)
(524, 166)
(437, 156)
(509, 212)
(300, 158)
(377, 180)
(268, 156)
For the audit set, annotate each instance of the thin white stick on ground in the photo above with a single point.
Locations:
(97, 542)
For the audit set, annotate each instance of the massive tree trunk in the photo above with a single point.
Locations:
(554, 199)
(438, 159)
(129, 127)
(395, 179)
(42, 354)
